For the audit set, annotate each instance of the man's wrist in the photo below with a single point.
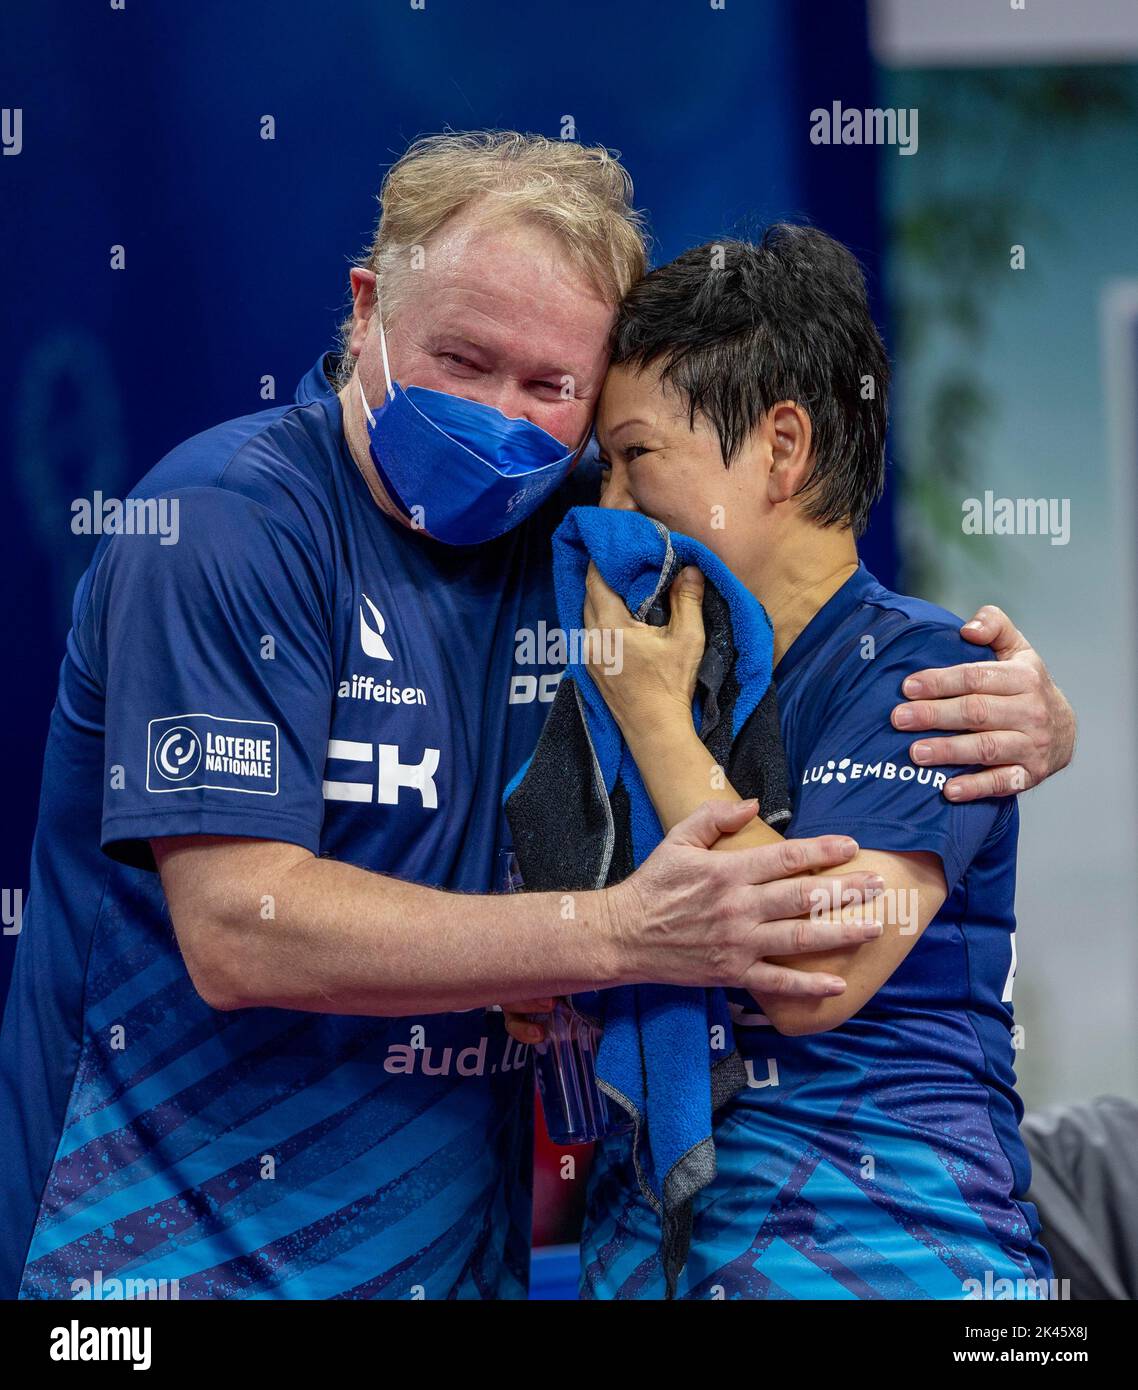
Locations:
(620, 918)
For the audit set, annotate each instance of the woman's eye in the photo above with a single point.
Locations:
(633, 452)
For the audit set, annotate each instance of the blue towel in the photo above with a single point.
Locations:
(581, 818)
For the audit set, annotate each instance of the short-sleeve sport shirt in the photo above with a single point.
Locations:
(294, 666)
(881, 1159)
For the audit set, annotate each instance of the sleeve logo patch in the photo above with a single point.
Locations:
(846, 770)
(191, 752)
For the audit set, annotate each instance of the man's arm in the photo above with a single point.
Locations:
(264, 923)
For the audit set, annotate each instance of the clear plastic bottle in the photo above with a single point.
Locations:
(576, 1111)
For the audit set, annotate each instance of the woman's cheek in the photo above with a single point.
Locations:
(678, 513)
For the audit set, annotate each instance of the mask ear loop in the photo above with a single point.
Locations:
(383, 351)
(579, 452)
(386, 370)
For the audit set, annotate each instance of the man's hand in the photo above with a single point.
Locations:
(1020, 727)
(690, 915)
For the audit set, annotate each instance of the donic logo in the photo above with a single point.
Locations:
(371, 638)
(178, 753)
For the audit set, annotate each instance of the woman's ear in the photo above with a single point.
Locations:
(790, 438)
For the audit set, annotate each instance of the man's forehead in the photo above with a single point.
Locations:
(512, 278)
(481, 303)
(471, 243)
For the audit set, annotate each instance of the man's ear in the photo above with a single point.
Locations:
(363, 306)
(790, 438)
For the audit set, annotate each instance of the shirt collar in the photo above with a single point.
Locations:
(316, 383)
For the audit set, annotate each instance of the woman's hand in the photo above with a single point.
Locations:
(519, 1025)
(655, 670)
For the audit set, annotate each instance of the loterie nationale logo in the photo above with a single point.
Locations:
(186, 752)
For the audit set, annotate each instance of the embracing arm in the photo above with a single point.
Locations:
(1018, 727)
(678, 770)
(264, 923)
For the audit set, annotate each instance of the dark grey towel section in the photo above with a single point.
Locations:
(583, 839)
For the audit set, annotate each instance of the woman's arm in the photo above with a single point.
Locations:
(650, 698)
(678, 770)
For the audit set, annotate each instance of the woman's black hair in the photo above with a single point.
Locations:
(736, 327)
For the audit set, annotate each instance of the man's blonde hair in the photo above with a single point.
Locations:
(580, 192)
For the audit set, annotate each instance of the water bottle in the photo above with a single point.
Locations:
(576, 1111)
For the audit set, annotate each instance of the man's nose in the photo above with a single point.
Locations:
(507, 396)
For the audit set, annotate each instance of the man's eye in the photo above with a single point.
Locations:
(457, 360)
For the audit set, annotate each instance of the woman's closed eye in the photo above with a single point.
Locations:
(627, 453)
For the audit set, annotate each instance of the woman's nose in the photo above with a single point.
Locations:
(616, 497)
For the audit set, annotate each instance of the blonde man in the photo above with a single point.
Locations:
(302, 716)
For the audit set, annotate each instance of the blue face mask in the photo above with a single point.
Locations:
(457, 469)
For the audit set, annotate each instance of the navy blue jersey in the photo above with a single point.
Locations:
(297, 667)
(882, 1158)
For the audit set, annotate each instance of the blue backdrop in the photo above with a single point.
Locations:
(142, 129)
